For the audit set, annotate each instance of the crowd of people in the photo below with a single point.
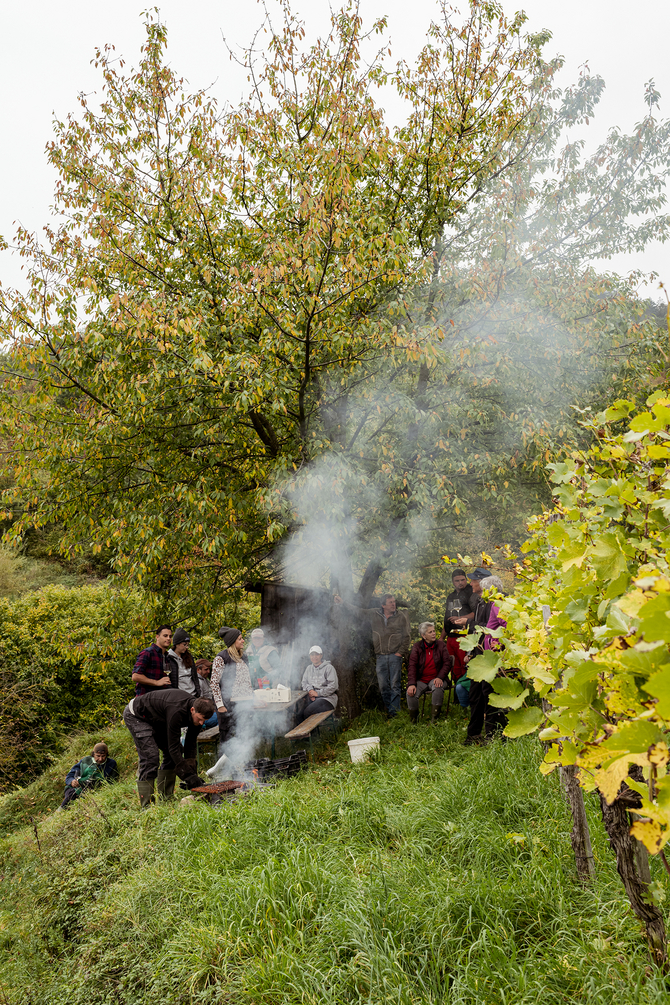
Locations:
(176, 696)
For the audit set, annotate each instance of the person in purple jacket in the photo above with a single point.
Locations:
(485, 717)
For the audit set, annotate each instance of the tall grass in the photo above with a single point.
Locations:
(435, 873)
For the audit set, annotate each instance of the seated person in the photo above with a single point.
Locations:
(88, 773)
(320, 682)
(428, 667)
(264, 659)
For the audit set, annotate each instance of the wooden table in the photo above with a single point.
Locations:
(273, 709)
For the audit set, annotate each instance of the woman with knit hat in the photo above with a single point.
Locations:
(230, 680)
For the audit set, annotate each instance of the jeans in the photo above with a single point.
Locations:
(462, 694)
(389, 669)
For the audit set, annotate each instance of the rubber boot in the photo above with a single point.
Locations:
(413, 715)
(165, 783)
(145, 791)
(435, 714)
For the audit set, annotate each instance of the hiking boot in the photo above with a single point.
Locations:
(413, 715)
(473, 741)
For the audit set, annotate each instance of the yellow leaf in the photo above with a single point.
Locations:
(650, 834)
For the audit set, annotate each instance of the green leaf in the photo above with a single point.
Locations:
(607, 557)
(635, 737)
(485, 667)
(659, 687)
(525, 720)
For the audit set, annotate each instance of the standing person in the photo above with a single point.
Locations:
(263, 659)
(458, 614)
(88, 773)
(427, 669)
(320, 682)
(482, 715)
(181, 665)
(203, 667)
(150, 672)
(155, 721)
(390, 637)
(230, 680)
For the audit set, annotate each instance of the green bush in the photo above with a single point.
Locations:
(66, 657)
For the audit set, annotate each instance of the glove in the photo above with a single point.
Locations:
(193, 781)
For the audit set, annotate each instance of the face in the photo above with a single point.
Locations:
(198, 717)
(476, 585)
(257, 640)
(239, 643)
(181, 648)
(204, 671)
(389, 606)
(460, 582)
(99, 756)
(430, 634)
(164, 639)
(315, 658)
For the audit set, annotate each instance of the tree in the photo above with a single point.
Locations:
(233, 295)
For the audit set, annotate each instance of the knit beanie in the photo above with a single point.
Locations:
(229, 635)
(181, 635)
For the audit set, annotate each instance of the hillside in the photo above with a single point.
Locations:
(439, 873)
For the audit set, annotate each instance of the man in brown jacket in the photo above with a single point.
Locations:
(428, 668)
(390, 638)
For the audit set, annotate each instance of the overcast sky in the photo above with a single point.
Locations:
(46, 48)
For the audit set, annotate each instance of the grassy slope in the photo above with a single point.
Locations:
(438, 874)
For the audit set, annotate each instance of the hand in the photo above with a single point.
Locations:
(439, 682)
(399, 654)
(75, 783)
(337, 599)
(458, 621)
(164, 682)
(312, 694)
(411, 690)
(222, 708)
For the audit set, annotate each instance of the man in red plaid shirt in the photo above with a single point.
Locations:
(150, 672)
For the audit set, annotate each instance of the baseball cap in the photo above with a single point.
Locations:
(316, 649)
(480, 574)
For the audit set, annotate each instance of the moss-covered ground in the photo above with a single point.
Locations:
(436, 873)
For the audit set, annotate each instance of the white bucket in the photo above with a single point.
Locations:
(359, 749)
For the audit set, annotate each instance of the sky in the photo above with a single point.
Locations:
(46, 51)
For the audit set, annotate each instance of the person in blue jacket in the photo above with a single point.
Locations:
(89, 772)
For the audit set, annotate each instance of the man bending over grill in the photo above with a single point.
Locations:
(155, 721)
(428, 668)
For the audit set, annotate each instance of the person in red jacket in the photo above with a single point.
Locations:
(429, 665)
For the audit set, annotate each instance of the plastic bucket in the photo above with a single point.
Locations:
(359, 749)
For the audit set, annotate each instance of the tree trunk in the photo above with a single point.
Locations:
(580, 837)
(342, 583)
(617, 825)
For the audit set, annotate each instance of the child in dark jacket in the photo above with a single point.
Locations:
(89, 772)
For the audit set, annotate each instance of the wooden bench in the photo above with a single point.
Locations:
(306, 728)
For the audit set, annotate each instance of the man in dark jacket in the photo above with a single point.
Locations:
(428, 667)
(150, 672)
(155, 722)
(88, 773)
(390, 638)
